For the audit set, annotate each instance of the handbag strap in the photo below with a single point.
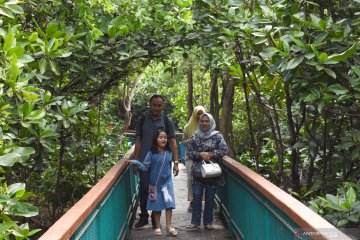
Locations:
(204, 162)
(161, 168)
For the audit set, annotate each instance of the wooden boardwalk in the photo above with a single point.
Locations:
(181, 218)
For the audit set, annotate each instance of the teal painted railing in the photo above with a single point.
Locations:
(110, 219)
(105, 212)
(251, 206)
(255, 216)
(254, 208)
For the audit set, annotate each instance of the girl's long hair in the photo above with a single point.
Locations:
(154, 144)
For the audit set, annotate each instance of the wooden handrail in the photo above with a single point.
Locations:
(297, 211)
(304, 217)
(67, 225)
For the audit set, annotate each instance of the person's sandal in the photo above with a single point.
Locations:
(192, 227)
(209, 227)
(172, 232)
(157, 232)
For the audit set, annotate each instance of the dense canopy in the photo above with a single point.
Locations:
(282, 79)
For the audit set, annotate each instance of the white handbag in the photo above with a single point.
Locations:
(209, 170)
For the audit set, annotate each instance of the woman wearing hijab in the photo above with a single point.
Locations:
(206, 144)
(189, 130)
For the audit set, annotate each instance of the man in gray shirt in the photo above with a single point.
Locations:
(146, 129)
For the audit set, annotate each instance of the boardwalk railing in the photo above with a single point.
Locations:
(104, 212)
(251, 206)
(254, 208)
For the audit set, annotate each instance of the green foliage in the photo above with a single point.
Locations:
(12, 204)
(63, 64)
(172, 74)
(343, 210)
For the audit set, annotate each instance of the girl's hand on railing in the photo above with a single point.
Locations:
(134, 163)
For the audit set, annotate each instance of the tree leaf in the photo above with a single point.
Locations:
(293, 63)
(315, 19)
(6, 12)
(353, 218)
(355, 153)
(342, 222)
(4, 227)
(17, 50)
(330, 72)
(321, 106)
(52, 27)
(258, 34)
(50, 44)
(322, 57)
(140, 53)
(344, 55)
(8, 42)
(26, 58)
(25, 210)
(350, 195)
(48, 133)
(54, 68)
(320, 38)
(33, 37)
(337, 89)
(42, 65)
(9, 159)
(15, 8)
(269, 52)
(14, 188)
(356, 70)
(36, 115)
(333, 199)
(24, 151)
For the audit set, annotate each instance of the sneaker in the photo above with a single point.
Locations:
(141, 223)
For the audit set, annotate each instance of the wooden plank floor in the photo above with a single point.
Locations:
(181, 218)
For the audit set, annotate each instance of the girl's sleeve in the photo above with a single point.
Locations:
(221, 149)
(143, 166)
(192, 151)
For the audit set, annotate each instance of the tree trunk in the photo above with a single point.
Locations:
(295, 158)
(190, 105)
(255, 149)
(129, 94)
(56, 204)
(311, 170)
(226, 113)
(214, 95)
(278, 141)
(98, 132)
(325, 155)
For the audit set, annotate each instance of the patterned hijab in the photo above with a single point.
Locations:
(211, 132)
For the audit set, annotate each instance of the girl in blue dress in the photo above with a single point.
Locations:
(161, 189)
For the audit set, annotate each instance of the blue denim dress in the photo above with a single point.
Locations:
(161, 176)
